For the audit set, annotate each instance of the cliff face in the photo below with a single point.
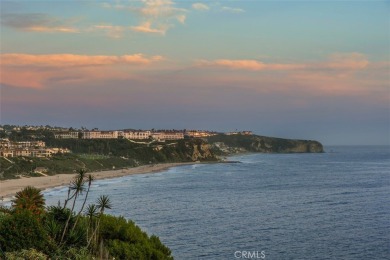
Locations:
(278, 145)
(197, 150)
(240, 143)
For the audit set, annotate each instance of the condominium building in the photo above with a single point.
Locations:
(100, 135)
(136, 134)
(32, 152)
(161, 136)
(5, 143)
(66, 135)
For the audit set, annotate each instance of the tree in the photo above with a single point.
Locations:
(30, 198)
(91, 213)
(103, 203)
(77, 185)
(23, 231)
(90, 180)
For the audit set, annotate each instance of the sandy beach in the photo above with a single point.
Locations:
(8, 188)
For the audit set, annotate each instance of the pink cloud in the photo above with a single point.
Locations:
(340, 61)
(39, 71)
(52, 29)
(249, 65)
(200, 7)
(160, 8)
(345, 74)
(64, 60)
(25, 78)
(157, 16)
(146, 27)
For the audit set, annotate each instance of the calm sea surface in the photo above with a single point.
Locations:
(334, 205)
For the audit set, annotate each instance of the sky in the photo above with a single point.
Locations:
(314, 70)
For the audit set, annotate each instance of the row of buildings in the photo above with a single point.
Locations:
(28, 148)
(135, 134)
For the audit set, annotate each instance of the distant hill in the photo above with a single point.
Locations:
(228, 144)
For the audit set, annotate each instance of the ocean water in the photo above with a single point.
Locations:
(334, 205)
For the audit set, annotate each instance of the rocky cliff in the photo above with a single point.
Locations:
(194, 150)
(223, 144)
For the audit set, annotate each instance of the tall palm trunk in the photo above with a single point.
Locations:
(103, 203)
(77, 186)
(85, 200)
(94, 232)
(69, 217)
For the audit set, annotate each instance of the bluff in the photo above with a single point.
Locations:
(100, 154)
(229, 144)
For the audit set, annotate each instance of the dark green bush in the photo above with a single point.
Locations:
(124, 240)
(23, 230)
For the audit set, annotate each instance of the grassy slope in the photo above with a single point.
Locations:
(97, 155)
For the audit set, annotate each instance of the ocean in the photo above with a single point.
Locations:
(333, 205)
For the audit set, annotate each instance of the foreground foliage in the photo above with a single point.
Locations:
(30, 198)
(29, 230)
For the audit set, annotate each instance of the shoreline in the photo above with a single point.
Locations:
(8, 188)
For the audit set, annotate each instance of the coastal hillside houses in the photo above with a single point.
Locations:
(239, 133)
(6, 143)
(31, 152)
(159, 135)
(137, 135)
(199, 133)
(28, 149)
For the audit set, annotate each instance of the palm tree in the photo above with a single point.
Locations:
(77, 185)
(90, 180)
(91, 213)
(30, 198)
(73, 186)
(103, 202)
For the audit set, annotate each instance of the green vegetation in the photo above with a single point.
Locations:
(30, 199)
(100, 154)
(263, 144)
(58, 164)
(29, 230)
(108, 154)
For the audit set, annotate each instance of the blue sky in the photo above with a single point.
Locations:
(296, 69)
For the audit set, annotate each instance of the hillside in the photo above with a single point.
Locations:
(98, 155)
(107, 154)
(230, 144)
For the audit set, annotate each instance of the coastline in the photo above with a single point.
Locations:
(8, 188)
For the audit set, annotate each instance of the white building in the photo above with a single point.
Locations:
(136, 134)
(66, 135)
(161, 136)
(100, 135)
(199, 133)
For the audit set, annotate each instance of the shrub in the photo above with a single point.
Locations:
(24, 254)
(22, 230)
(124, 240)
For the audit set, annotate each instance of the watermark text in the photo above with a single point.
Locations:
(249, 254)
